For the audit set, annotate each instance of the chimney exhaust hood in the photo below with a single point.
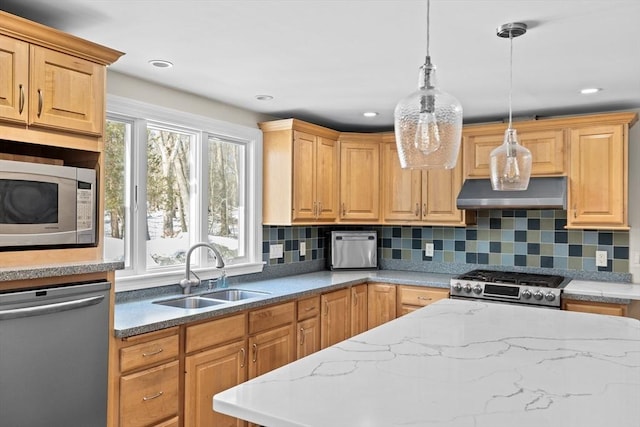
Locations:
(542, 193)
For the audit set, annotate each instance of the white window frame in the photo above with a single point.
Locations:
(139, 114)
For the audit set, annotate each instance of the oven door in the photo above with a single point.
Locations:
(497, 301)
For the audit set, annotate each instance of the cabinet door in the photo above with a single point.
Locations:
(66, 92)
(598, 188)
(359, 304)
(14, 79)
(547, 152)
(327, 178)
(401, 188)
(335, 322)
(360, 181)
(440, 188)
(308, 337)
(271, 349)
(381, 303)
(304, 160)
(208, 373)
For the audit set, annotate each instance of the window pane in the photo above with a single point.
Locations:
(117, 137)
(167, 196)
(225, 213)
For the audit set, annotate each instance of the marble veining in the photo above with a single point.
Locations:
(463, 364)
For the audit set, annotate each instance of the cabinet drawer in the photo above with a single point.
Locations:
(215, 332)
(595, 307)
(414, 295)
(270, 317)
(308, 307)
(173, 422)
(150, 396)
(148, 353)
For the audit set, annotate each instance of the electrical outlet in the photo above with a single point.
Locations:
(428, 249)
(276, 251)
(303, 248)
(601, 258)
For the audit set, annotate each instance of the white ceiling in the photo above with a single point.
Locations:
(328, 61)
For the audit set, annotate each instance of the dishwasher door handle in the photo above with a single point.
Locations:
(16, 313)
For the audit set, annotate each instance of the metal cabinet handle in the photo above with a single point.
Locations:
(355, 297)
(40, 102)
(344, 210)
(301, 336)
(155, 396)
(424, 209)
(417, 212)
(243, 359)
(315, 210)
(424, 298)
(255, 353)
(21, 101)
(310, 308)
(326, 308)
(153, 353)
(575, 215)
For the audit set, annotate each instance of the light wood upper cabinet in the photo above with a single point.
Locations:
(426, 197)
(66, 92)
(360, 177)
(300, 173)
(14, 79)
(598, 178)
(547, 149)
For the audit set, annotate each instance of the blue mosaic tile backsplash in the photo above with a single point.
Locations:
(520, 238)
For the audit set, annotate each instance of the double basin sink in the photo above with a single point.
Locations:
(210, 299)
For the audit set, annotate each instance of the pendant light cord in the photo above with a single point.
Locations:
(428, 25)
(510, 75)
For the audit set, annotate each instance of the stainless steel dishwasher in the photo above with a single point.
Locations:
(54, 356)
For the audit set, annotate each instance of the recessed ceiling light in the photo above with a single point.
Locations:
(370, 114)
(590, 90)
(161, 63)
(264, 97)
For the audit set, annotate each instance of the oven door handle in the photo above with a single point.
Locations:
(16, 313)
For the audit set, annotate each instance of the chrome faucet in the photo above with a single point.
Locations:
(187, 282)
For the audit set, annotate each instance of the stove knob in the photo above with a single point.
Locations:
(538, 295)
(457, 287)
(467, 288)
(550, 296)
(526, 294)
(477, 289)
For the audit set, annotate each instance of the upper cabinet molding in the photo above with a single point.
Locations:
(34, 33)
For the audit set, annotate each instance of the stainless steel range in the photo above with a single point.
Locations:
(510, 287)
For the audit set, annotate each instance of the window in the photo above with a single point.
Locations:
(172, 180)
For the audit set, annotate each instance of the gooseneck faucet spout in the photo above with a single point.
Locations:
(188, 282)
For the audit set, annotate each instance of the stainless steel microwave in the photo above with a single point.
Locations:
(46, 205)
(353, 250)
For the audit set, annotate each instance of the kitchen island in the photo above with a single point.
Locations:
(459, 363)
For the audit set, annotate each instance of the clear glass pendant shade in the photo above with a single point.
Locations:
(428, 125)
(510, 164)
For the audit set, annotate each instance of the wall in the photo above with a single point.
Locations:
(634, 200)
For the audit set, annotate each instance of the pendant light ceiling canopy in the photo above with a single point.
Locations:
(510, 163)
(428, 123)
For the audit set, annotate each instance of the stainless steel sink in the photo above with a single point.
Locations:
(233, 294)
(189, 302)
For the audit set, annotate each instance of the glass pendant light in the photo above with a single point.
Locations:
(510, 163)
(428, 123)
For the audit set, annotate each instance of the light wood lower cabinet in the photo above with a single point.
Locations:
(381, 302)
(359, 307)
(612, 309)
(411, 298)
(335, 323)
(220, 366)
(147, 392)
(308, 327)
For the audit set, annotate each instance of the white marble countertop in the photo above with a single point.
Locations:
(463, 364)
(602, 289)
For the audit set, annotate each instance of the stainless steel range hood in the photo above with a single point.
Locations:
(542, 193)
